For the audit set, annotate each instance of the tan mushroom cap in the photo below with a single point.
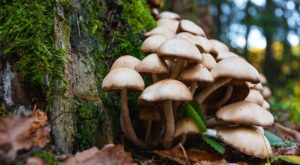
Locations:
(152, 43)
(125, 61)
(150, 114)
(152, 64)
(266, 92)
(266, 105)
(203, 44)
(188, 36)
(169, 23)
(167, 89)
(208, 61)
(236, 68)
(218, 46)
(186, 126)
(196, 72)
(245, 113)
(169, 15)
(191, 27)
(222, 55)
(254, 96)
(180, 48)
(262, 79)
(248, 140)
(162, 30)
(123, 78)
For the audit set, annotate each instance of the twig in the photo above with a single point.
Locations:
(184, 154)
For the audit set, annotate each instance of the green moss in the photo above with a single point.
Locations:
(4, 112)
(27, 34)
(87, 115)
(48, 157)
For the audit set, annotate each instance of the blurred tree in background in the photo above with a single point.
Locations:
(266, 32)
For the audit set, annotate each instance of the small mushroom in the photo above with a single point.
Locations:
(196, 74)
(181, 50)
(167, 90)
(222, 55)
(255, 97)
(154, 65)
(122, 79)
(262, 79)
(169, 15)
(266, 105)
(245, 113)
(208, 61)
(191, 27)
(162, 30)
(152, 43)
(217, 47)
(125, 61)
(169, 23)
(186, 126)
(266, 92)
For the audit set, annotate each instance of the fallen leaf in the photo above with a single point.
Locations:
(14, 136)
(194, 156)
(35, 161)
(290, 158)
(109, 154)
(39, 129)
(288, 132)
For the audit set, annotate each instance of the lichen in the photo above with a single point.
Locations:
(27, 34)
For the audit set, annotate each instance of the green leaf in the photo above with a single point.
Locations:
(290, 158)
(214, 144)
(273, 139)
(197, 108)
(192, 113)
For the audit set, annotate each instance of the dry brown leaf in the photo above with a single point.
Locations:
(35, 161)
(40, 130)
(14, 136)
(108, 155)
(194, 156)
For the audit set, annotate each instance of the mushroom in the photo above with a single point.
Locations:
(162, 30)
(246, 139)
(255, 97)
(152, 43)
(169, 23)
(196, 74)
(167, 90)
(262, 79)
(266, 105)
(186, 126)
(122, 79)
(154, 65)
(224, 54)
(125, 61)
(217, 47)
(181, 50)
(266, 92)
(191, 27)
(208, 61)
(203, 44)
(169, 15)
(245, 113)
(231, 68)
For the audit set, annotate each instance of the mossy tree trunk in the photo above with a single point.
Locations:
(60, 51)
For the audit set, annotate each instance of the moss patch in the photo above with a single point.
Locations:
(48, 157)
(27, 33)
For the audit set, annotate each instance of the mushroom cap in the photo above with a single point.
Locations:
(254, 96)
(150, 114)
(169, 15)
(203, 44)
(152, 43)
(218, 46)
(191, 27)
(186, 126)
(245, 113)
(167, 89)
(236, 68)
(222, 55)
(187, 36)
(208, 61)
(180, 48)
(123, 78)
(162, 30)
(169, 23)
(125, 61)
(266, 105)
(245, 139)
(266, 92)
(196, 72)
(262, 79)
(152, 64)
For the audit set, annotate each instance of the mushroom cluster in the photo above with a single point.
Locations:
(185, 65)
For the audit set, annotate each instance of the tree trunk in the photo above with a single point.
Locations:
(59, 54)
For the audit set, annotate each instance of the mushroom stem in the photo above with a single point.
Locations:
(154, 78)
(176, 69)
(127, 127)
(193, 87)
(211, 133)
(148, 132)
(212, 122)
(170, 124)
(226, 97)
(207, 91)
